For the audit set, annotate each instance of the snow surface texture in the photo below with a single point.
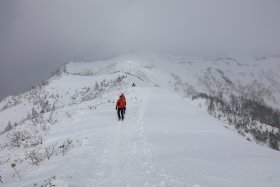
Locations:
(65, 131)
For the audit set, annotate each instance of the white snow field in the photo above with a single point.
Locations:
(166, 140)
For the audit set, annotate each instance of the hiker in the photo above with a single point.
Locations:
(120, 107)
(133, 85)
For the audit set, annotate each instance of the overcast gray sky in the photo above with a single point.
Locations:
(37, 36)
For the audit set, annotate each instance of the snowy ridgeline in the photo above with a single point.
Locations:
(72, 115)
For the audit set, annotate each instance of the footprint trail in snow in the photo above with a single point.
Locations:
(127, 159)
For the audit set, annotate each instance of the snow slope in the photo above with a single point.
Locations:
(165, 139)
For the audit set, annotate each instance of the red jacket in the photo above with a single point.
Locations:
(121, 103)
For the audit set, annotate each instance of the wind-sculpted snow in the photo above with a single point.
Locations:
(65, 132)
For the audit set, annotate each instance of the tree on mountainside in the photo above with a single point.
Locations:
(96, 87)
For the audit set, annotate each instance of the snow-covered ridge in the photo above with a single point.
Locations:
(255, 79)
(60, 116)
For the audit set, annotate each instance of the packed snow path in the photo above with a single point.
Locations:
(164, 140)
(123, 157)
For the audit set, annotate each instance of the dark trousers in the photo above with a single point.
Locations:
(121, 113)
